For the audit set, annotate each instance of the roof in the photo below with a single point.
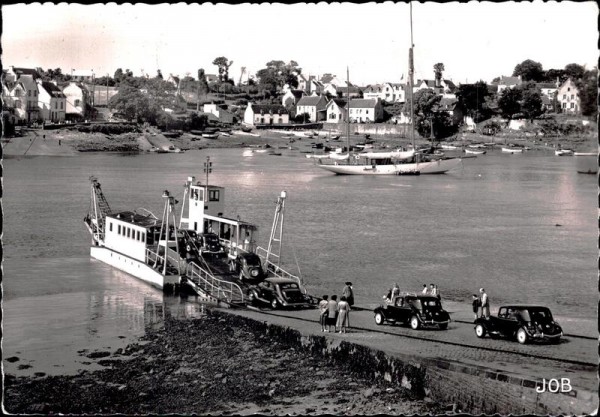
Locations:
(344, 89)
(297, 93)
(52, 89)
(340, 102)
(547, 85)
(135, 218)
(363, 103)
(26, 71)
(28, 82)
(326, 78)
(430, 83)
(446, 101)
(509, 80)
(309, 101)
(269, 108)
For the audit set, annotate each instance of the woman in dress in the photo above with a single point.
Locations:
(343, 318)
(323, 312)
(332, 313)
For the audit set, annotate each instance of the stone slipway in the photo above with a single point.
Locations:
(452, 366)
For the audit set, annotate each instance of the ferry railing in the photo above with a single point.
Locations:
(218, 288)
(277, 270)
(153, 257)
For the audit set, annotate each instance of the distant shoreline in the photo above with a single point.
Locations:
(66, 142)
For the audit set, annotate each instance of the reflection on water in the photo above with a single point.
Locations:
(524, 227)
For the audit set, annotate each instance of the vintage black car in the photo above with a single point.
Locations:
(415, 310)
(249, 267)
(278, 293)
(522, 322)
(208, 243)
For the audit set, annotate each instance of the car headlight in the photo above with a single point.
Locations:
(254, 272)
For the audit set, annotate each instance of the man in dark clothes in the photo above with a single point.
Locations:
(348, 293)
(476, 305)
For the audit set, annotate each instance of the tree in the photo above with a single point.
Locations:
(427, 116)
(223, 64)
(529, 70)
(438, 70)
(531, 102)
(588, 93)
(131, 103)
(553, 74)
(277, 74)
(509, 102)
(473, 99)
(202, 87)
(574, 71)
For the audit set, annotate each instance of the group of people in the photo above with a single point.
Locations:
(481, 304)
(334, 313)
(432, 290)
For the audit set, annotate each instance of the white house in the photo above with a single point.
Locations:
(336, 110)
(77, 100)
(51, 102)
(365, 110)
(224, 116)
(568, 97)
(291, 98)
(24, 96)
(266, 114)
(342, 91)
(302, 83)
(508, 82)
(314, 106)
(399, 91)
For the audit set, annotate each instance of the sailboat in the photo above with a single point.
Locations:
(398, 162)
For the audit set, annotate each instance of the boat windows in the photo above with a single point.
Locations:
(137, 235)
(128, 232)
(119, 230)
(110, 226)
(213, 195)
(143, 237)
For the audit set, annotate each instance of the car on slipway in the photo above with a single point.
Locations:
(416, 310)
(525, 323)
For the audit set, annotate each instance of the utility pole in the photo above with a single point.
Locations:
(107, 90)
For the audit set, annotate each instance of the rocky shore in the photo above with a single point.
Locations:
(70, 142)
(215, 364)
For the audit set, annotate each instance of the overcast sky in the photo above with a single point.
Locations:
(473, 40)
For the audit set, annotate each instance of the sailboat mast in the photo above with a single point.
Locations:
(348, 111)
(411, 71)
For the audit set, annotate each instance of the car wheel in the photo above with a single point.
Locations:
(274, 304)
(443, 326)
(521, 336)
(379, 319)
(252, 297)
(414, 323)
(479, 331)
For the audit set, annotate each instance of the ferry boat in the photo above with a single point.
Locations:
(167, 255)
(136, 242)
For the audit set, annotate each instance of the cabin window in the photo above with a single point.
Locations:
(213, 195)
(110, 226)
(128, 232)
(119, 229)
(77, 102)
(143, 237)
(137, 235)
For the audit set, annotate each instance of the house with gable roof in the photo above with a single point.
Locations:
(336, 110)
(24, 98)
(314, 106)
(302, 82)
(13, 73)
(365, 110)
(291, 98)
(77, 99)
(51, 102)
(568, 97)
(343, 91)
(508, 82)
(266, 114)
(82, 75)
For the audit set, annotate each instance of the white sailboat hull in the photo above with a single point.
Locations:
(432, 167)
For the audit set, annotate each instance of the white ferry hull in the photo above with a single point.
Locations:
(432, 167)
(133, 267)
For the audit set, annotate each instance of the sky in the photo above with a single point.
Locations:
(475, 41)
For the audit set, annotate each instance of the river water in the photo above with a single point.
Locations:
(522, 226)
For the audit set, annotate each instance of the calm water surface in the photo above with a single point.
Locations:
(522, 226)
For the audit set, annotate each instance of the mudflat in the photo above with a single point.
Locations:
(214, 364)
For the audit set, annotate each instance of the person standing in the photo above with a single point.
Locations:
(485, 304)
(437, 293)
(425, 291)
(332, 313)
(323, 312)
(432, 290)
(395, 294)
(348, 293)
(476, 306)
(343, 319)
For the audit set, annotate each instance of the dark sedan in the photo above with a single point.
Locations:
(415, 310)
(521, 322)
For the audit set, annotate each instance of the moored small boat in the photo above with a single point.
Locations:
(475, 152)
(586, 162)
(512, 150)
(563, 152)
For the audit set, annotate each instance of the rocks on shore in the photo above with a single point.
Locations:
(193, 366)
